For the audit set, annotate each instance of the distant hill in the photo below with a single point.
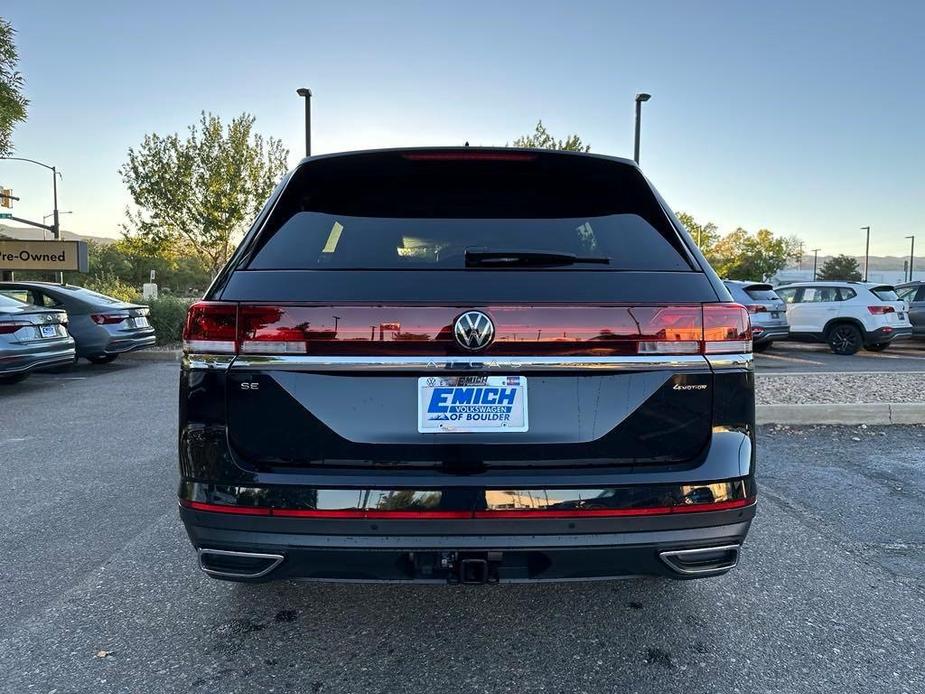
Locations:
(33, 234)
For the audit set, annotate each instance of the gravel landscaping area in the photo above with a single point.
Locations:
(840, 388)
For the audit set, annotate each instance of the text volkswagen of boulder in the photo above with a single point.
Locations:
(466, 366)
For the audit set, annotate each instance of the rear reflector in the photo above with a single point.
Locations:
(525, 513)
(880, 310)
(284, 329)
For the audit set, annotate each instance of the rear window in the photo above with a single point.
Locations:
(313, 240)
(394, 211)
(7, 301)
(91, 296)
(885, 293)
(762, 292)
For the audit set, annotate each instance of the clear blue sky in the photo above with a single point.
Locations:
(806, 118)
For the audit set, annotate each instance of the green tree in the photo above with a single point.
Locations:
(743, 256)
(200, 192)
(541, 139)
(704, 235)
(12, 102)
(841, 267)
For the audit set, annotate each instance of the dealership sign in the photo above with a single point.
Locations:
(43, 255)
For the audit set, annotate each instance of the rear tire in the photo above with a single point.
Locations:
(762, 346)
(102, 358)
(10, 380)
(879, 347)
(845, 339)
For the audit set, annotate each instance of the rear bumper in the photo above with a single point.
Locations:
(882, 335)
(37, 360)
(768, 334)
(519, 550)
(120, 345)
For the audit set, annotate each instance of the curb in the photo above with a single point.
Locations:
(824, 413)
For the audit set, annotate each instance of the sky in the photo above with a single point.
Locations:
(804, 118)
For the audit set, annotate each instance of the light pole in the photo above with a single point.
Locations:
(911, 254)
(815, 259)
(642, 96)
(52, 214)
(866, 252)
(307, 94)
(56, 224)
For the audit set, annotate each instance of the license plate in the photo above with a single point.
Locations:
(49, 331)
(775, 314)
(141, 322)
(459, 404)
(901, 315)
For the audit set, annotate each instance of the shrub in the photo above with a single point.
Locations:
(110, 285)
(166, 316)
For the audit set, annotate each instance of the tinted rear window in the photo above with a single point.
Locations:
(761, 293)
(7, 301)
(885, 293)
(314, 240)
(389, 211)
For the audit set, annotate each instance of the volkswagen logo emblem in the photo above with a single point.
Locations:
(474, 330)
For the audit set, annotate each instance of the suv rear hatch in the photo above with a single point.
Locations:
(343, 307)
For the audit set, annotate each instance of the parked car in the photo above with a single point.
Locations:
(846, 315)
(913, 293)
(102, 326)
(31, 338)
(466, 365)
(767, 311)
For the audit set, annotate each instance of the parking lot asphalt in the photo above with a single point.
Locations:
(100, 592)
(799, 357)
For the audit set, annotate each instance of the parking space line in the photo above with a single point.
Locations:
(799, 360)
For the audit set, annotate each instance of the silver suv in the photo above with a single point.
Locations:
(766, 310)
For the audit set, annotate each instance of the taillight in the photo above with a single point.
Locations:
(881, 309)
(756, 308)
(711, 329)
(7, 328)
(108, 318)
(726, 328)
(211, 326)
(269, 330)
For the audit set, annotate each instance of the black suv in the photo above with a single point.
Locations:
(466, 365)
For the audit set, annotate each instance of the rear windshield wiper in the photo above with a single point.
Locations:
(482, 257)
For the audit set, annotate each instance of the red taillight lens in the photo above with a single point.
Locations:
(726, 328)
(881, 310)
(8, 328)
(272, 330)
(669, 329)
(757, 308)
(108, 318)
(211, 326)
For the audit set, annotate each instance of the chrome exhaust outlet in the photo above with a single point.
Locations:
(701, 561)
(223, 563)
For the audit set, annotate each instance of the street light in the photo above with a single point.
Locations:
(642, 96)
(56, 226)
(307, 94)
(911, 254)
(866, 252)
(815, 259)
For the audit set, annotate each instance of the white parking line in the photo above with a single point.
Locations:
(838, 373)
(799, 360)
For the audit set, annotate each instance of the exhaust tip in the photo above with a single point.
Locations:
(702, 561)
(223, 563)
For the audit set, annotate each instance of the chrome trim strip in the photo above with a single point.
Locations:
(733, 362)
(670, 559)
(386, 363)
(276, 560)
(194, 362)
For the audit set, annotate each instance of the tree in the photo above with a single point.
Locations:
(541, 139)
(12, 102)
(743, 256)
(704, 235)
(200, 193)
(841, 267)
